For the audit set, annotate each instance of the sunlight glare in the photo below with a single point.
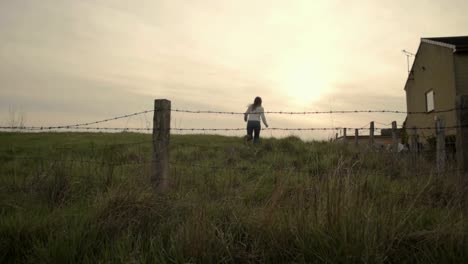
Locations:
(305, 84)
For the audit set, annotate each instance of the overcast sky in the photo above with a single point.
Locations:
(71, 61)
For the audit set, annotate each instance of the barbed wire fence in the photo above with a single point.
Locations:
(161, 130)
(87, 124)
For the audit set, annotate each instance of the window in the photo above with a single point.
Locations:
(430, 101)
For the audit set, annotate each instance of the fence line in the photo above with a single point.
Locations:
(126, 129)
(106, 120)
(242, 113)
(316, 112)
(161, 129)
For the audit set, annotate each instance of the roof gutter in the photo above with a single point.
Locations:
(441, 44)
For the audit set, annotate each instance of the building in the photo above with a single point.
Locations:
(439, 74)
(379, 140)
(382, 141)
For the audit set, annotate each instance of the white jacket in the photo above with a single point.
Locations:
(255, 115)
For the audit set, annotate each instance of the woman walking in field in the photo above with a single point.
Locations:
(252, 116)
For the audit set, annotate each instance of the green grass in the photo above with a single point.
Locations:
(67, 198)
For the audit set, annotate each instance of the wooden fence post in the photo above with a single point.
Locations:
(414, 140)
(440, 132)
(462, 146)
(371, 134)
(356, 137)
(345, 140)
(161, 135)
(394, 137)
(462, 135)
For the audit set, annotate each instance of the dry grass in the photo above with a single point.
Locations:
(281, 201)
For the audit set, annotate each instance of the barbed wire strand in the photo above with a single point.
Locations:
(317, 112)
(242, 113)
(36, 128)
(106, 120)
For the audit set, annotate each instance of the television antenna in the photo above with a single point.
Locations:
(408, 55)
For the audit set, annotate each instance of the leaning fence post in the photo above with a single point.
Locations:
(356, 137)
(345, 140)
(394, 137)
(161, 135)
(440, 132)
(371, 134)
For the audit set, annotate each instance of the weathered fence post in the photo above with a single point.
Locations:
(371, 134)
(356, 137)
(414, 140)
(440, 132)
(394, 137)
(462, 135)
(462, 146)
(345, 140)
(161, 135)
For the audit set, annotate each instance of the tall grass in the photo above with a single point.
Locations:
(283, 200)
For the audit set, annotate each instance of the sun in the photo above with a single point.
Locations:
(305, 85)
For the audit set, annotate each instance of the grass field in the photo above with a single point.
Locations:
(87, 198)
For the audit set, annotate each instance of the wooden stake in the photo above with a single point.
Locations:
(394, 137)
(356, 137)
(414, 141)
(161, 135)
(462, 135)
(440, 132)
(462, 146)
(371, 134)
(345, 140)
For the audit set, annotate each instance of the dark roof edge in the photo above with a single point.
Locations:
(461, 49)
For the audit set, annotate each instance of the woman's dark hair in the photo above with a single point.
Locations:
(257, 103)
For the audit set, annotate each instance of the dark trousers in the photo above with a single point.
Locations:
(253, 127)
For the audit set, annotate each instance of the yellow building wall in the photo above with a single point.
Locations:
(433, 69)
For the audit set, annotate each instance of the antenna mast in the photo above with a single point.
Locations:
(408, 55)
